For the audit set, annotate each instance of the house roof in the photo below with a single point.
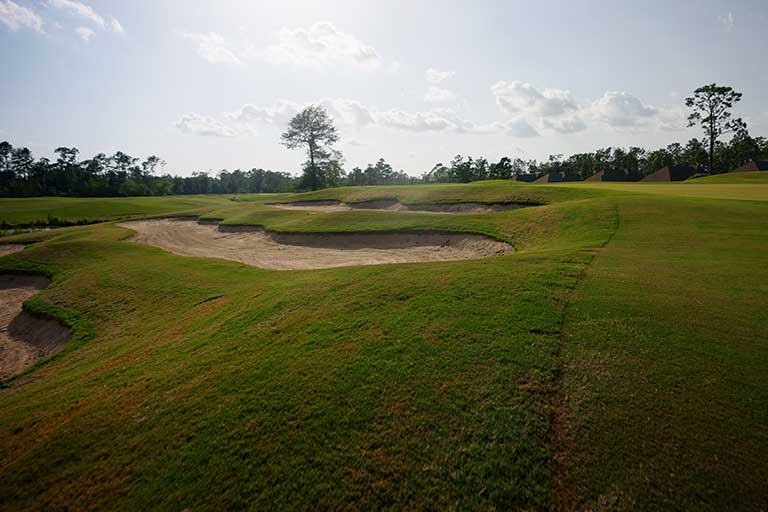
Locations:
(557, 177)
(614, 175)
(753, 165)
(671, 173)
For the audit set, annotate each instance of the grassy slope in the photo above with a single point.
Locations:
(323, 388)
(666, 357)
(210, 384)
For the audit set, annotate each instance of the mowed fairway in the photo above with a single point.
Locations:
(616, 360)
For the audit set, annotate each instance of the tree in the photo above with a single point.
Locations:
(711, 106)
(502, 170)
(150, 165)
(314, 129)
(5, 156)
(694, 154)
(21, 162)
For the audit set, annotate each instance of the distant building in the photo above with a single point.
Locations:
(671, 173)
(558, 177)
(527, 178)
(753, 165)
(614, 175)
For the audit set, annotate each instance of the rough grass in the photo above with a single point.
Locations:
(206, 384)
(665, 361)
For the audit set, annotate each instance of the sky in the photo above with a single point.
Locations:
(212, 85)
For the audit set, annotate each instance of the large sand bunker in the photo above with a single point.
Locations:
(394, 205)
(284, 251)
(24, 338)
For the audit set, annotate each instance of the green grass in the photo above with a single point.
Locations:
(624, 338)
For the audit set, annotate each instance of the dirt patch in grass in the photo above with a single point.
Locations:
(24, 338)
(285, 251)
(394, 205)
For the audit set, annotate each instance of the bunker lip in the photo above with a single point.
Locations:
(255, 246)
(24, 338)
(395, 205)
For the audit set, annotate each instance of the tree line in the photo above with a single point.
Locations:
(21, 175)
(634, 162)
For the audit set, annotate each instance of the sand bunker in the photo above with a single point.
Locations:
(24, 338)
(10, 248)
(284, 251)
(393, 205)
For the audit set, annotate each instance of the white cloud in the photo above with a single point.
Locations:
(321, 45)
(727, 21)
(521, 97)
(438, 119)
(548, 109)
(202, 125)
(459, 123)
(621, 110)
(343, 111)
(84, 33)
(673, 119)
(518, 127)
(214, 48)
(568, 124)
(280, 114)
(439, 95)
(414, 121)
(116, 26)
(349, 112)
(15, 17)
(80, 9)
(435, 76)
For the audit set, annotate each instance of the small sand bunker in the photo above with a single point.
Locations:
(10, 248)
(24, 338)
(285, 251)
(394, 205)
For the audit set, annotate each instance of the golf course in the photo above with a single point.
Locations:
(495, 345)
